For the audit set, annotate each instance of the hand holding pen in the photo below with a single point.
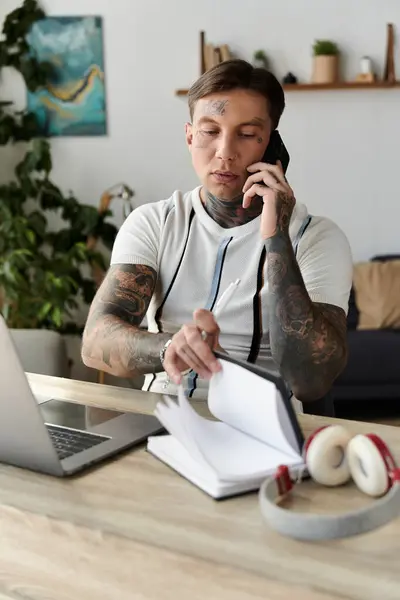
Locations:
(192, 346)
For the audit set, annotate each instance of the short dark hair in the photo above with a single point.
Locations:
(240, 74)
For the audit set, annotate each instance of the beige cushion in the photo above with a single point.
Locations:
(377, 294)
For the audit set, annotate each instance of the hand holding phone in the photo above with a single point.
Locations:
(276, 150)
(267, 180)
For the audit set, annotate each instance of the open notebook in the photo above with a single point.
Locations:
(256, 431)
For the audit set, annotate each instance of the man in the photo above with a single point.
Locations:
(173, 259)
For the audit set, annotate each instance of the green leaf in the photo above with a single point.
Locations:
(80, 251)
(41, 151)
(44, 311)
(96, 258)
(21, 254)
(50, 196)
(6, 129)
(30, 236)
(58, 283)
(28, 128)
(5, 311)
(9, 272)
(107, 234)
(89, 217)
(70, 208)
(38, 222)
(28, 187)
(56, 316)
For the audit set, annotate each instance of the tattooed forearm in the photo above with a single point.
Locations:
(112, 340)
(308, 340)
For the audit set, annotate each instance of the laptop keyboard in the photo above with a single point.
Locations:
(70, 441)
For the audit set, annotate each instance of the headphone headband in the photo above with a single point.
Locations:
(317, 527)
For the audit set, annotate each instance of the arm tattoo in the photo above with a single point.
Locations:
(284, 209)
(308, 340)
(112, 340)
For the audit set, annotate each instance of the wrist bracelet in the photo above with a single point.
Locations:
(163, 350)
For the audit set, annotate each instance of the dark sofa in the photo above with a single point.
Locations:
(372, 373)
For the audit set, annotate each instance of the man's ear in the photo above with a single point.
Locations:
(189, 135)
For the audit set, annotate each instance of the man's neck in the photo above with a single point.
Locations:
(230, 213)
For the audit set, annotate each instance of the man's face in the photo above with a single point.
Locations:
(230, 131)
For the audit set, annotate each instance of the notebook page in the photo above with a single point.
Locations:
(232, 454)
(170, 416)
(249, 403)
(174, 454)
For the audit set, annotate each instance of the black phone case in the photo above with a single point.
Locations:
(276, 150)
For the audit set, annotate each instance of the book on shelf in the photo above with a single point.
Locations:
(254, 430)
(214, 55)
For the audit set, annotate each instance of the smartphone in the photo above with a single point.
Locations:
(276, 150)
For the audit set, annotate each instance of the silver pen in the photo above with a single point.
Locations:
(223, 301)
(226, 296)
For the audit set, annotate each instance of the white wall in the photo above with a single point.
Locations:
(344, 155)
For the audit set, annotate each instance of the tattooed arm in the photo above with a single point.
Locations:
(308, 339)
(112, 340)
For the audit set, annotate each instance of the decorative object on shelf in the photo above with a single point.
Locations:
(289, 78)
(72, 102)
(211, 55)
(260, 59)
(366, 74)
(389, 74)
(325, 62)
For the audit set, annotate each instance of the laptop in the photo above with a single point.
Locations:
(57, 437)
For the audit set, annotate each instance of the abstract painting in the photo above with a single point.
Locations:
(73, 102)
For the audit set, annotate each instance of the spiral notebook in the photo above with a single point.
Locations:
(255, 431)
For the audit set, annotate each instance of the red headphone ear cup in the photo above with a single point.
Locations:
(370, 463)
(325, 455)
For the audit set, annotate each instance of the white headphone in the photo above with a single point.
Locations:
(332, 457)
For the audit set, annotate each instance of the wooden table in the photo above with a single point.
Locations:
(132, 528)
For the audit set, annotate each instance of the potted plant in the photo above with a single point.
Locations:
(46, 270)
(260, 59)
(325, 62)
(47, 239)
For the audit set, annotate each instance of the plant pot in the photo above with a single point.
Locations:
(325, 69)
(258, 63)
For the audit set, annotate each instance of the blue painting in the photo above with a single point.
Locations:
(72, 103)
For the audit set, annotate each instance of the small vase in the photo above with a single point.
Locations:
(325, 69)
(258, 63)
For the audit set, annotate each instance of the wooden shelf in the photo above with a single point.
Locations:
(345, 85)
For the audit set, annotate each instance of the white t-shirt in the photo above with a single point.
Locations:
(196, 259)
